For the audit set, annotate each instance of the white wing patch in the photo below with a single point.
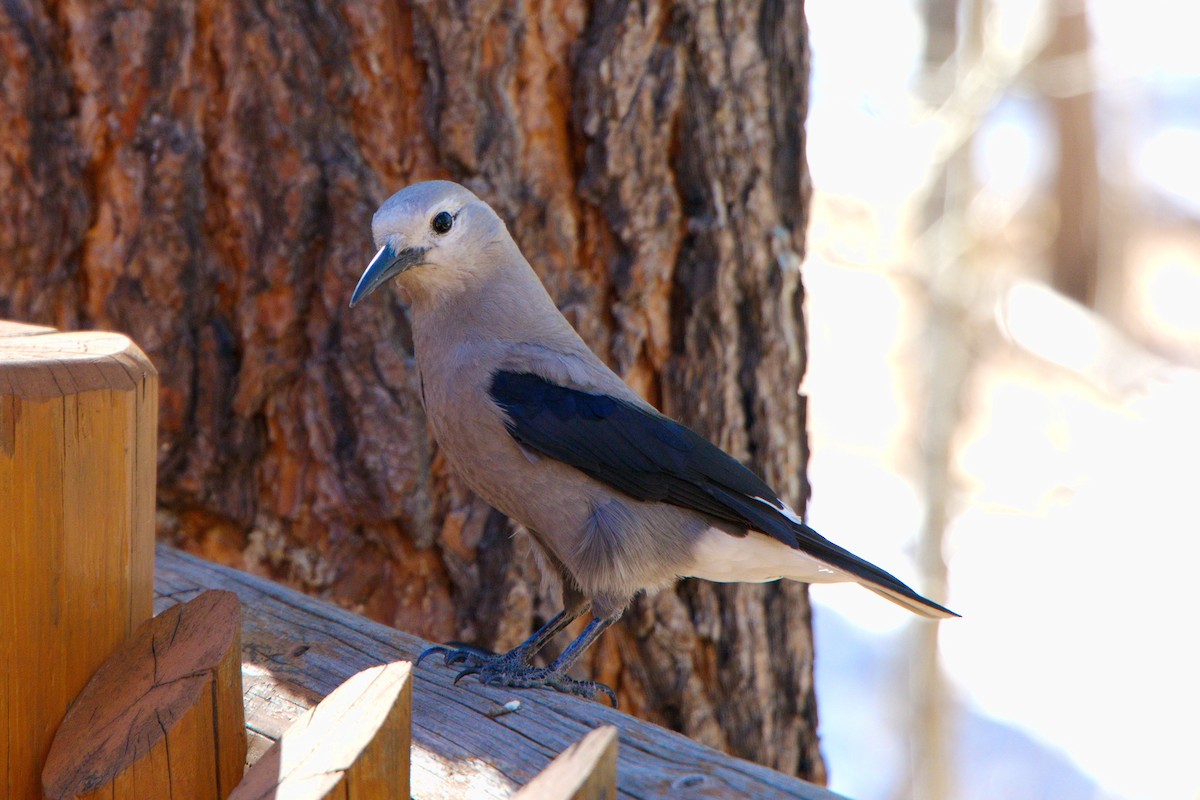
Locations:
(782, 508)
(755, 558)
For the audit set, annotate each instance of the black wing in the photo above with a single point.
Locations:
(648, 456)
(633, 449)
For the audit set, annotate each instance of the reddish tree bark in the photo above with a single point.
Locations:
(200, 175)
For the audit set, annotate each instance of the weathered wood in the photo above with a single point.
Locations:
(297, 650)
(206, 188)
(9, 328)
(353, 745)
(77, 465)
(587, 770)
(162, 716)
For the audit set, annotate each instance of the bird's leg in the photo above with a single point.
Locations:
(513, 668)
(477, 660)
(554, 676)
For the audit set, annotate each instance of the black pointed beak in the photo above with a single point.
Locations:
(386, 265)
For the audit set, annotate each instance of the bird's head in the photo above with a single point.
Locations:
(434, 235)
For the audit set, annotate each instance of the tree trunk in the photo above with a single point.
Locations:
(200, 175)
(1076, 250)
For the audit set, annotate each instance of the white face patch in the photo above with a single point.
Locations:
(755, 558)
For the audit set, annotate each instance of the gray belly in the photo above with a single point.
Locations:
(613, 545)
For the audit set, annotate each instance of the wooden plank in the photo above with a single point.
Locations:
(587, 770)
(78, 456)
(353, 744)
(296, 650)
(8, 328)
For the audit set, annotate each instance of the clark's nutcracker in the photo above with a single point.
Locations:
(618, 497)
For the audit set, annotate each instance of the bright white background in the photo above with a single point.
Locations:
(1074, 557)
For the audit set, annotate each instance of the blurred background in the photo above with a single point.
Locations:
(1003, 297)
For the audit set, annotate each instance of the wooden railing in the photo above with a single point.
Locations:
(296, 650)
(77, 454)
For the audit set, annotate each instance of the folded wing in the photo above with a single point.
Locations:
(650, 457)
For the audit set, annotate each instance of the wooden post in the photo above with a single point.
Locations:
(163, 716)
(78, 418)
(587, 770)
(353, 745)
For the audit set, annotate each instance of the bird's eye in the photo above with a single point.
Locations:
(442, 222)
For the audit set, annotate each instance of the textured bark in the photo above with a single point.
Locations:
(200, 175)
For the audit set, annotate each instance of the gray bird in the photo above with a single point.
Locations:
(618, 497)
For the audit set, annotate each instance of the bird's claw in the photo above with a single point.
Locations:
(586, 689)
(437, 648)
(541, 678)
(470, 656)
(465, 673)
(513, 670)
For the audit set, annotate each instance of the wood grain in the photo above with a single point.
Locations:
(296, 650)
(157, 719)
(587, 770)
(77, 475)
(353, 745)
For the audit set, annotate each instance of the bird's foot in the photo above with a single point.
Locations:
(512, 669)
(469, 656)
(539, 678)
